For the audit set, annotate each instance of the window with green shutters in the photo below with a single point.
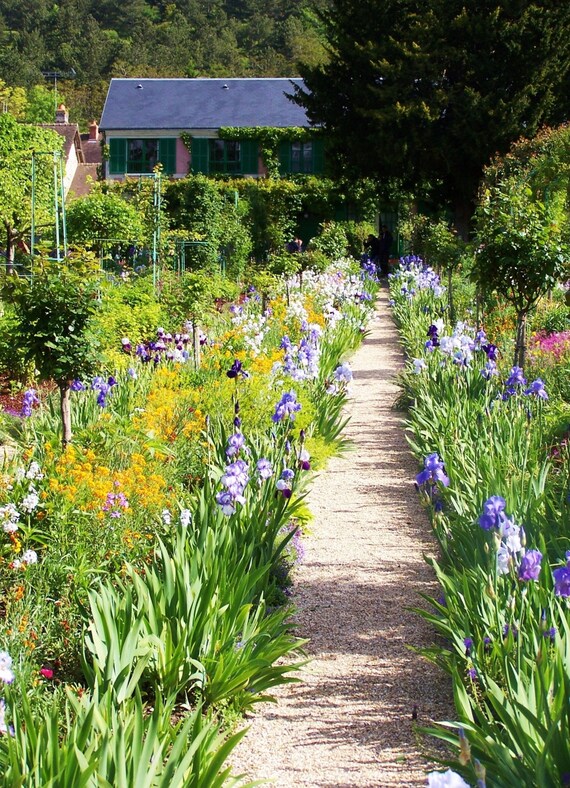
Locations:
(224, 156)
(117, 156)
(167, 154)
(133, 156)
(301, 157)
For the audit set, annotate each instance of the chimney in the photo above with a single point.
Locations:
(93, 131)
(62, 114)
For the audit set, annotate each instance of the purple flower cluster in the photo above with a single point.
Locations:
(6, 672)
(286, 408)
(433, 471)
(433, 341)
(166, 346)
(510, 550)
(29, 400)
(235, 479)
(115, 504)
(103, 387)
(514, 383)
(301, 362)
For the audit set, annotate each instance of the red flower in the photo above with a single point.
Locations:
(47, 673)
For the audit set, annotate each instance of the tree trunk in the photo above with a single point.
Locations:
(520, 343)
(65, 410)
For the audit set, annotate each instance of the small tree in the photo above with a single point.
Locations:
(102, 216)
(55, 311)
(522, 253)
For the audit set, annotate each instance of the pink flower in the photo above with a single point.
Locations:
(47, 673)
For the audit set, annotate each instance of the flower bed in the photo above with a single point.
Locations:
(495, 479)
(143, 569)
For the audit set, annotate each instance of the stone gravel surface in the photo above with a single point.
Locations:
(350, 721)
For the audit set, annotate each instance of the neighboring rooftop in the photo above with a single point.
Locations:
(157, 104)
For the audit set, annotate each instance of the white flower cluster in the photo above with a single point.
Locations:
(253, 327)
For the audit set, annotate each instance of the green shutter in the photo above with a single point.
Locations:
(284, 158)
(167, 155)
(117, 156)
(318, 156)
(249, 157)
(199, 148)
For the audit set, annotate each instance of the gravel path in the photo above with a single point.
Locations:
(349, 723)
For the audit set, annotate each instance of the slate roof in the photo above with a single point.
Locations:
(71, 137)
(205, 103)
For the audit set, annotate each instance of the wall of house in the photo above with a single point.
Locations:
(182, 158)
(70, 169)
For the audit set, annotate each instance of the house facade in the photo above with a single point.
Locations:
(81, 153)
(177, 123)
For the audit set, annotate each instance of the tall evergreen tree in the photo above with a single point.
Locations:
(428, 90)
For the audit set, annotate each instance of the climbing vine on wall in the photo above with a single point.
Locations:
(268, 137)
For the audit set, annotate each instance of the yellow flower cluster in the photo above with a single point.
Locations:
(313, 313)
(79, 479)
(262, 364)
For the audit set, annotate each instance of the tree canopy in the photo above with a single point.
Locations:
(429, 91)
(17, 142)
(179, 38)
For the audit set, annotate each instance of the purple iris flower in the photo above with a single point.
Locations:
(529, 568)
(264, 468)
(226, 501)
(493, 513)
(516, 378)
(490, 369)
(433, 471)
(537, 389)
(29, 400)
(237, 369)
(491, 351)
(562, 578)
(550, 634)
(77, 385)
(236, 442)
(286, 407)
(284, 483)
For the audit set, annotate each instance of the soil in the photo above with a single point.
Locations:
(352, 721)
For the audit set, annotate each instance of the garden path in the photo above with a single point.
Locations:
(349, 723)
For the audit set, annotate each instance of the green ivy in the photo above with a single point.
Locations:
(269, 139)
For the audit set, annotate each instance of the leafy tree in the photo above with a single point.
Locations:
(523, 225)
(103, 216)
(17, 142)
(12, 100)
(55, 310)
(428, 91)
